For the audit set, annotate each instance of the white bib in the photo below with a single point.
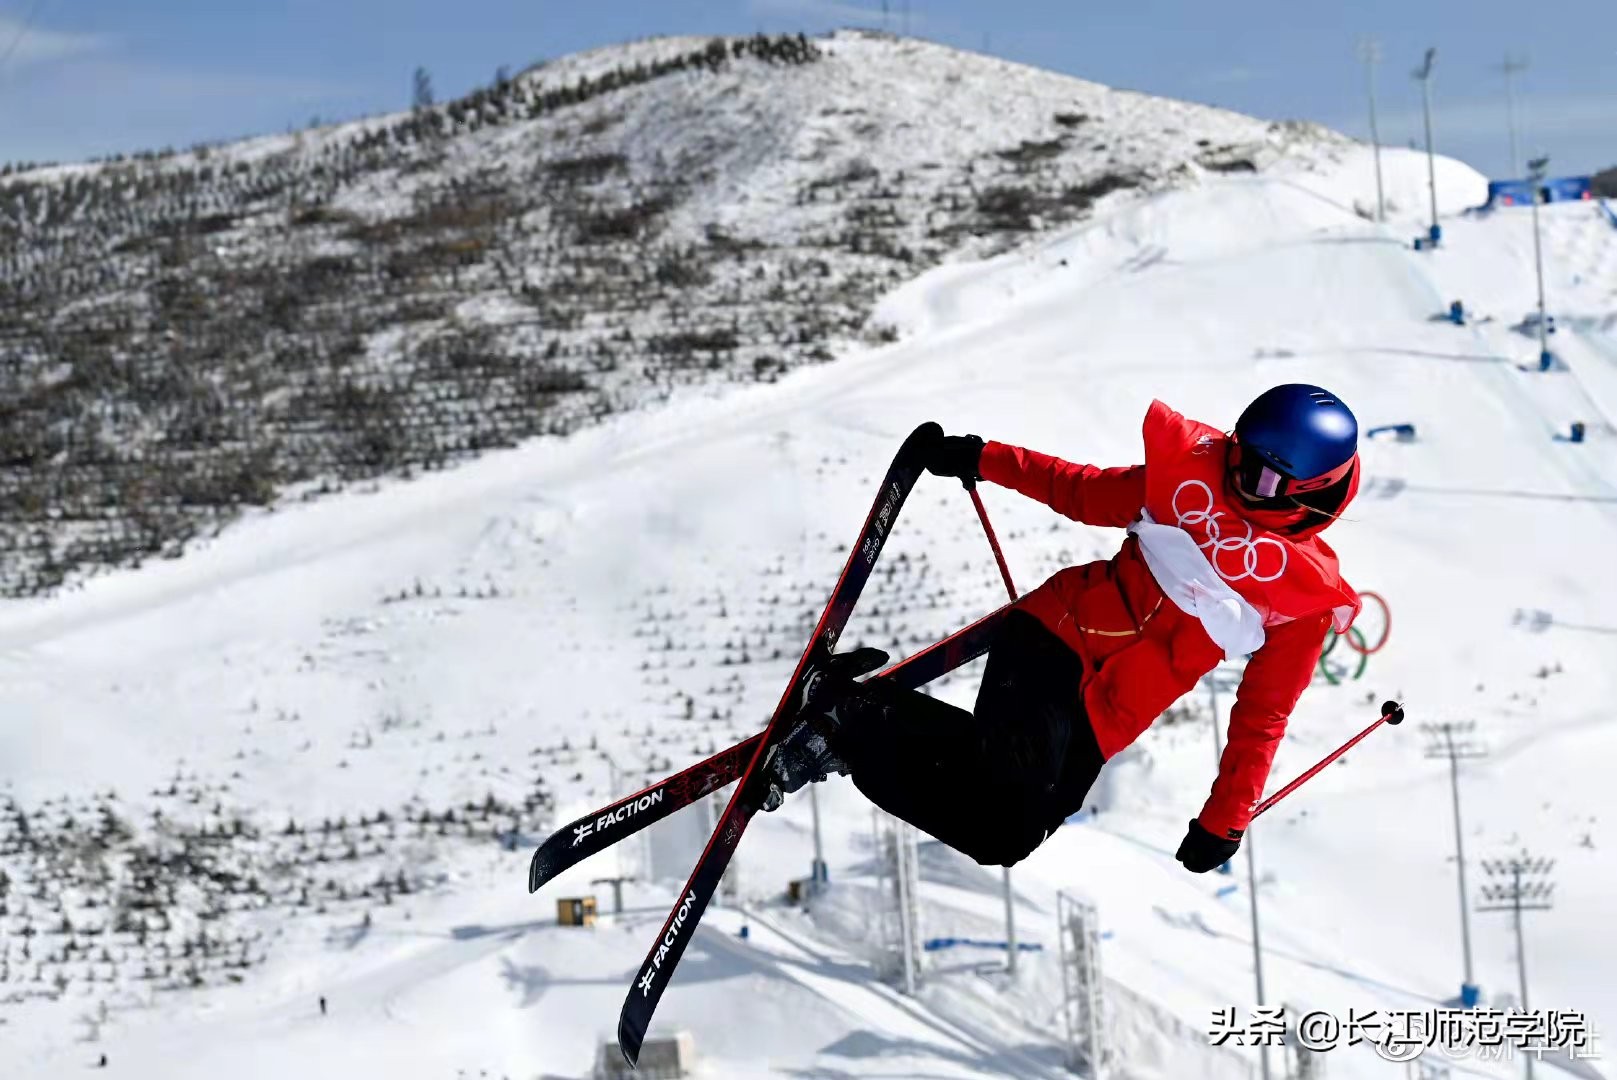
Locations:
(1185, 576)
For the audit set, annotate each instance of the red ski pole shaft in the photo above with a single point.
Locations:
(993, 541)
(1391, 713)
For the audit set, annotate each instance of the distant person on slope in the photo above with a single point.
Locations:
(1223, 559)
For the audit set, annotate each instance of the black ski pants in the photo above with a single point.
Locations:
(991, 783)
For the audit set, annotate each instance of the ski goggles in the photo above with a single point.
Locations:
(1256, 478)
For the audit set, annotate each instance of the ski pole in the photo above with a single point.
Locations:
(993, 541)
(1391, 713)
(1004, 572)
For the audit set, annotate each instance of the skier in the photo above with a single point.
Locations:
(1223, 559)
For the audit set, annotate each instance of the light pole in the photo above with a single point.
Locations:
(908, 880)
(1370, 53)
(1446, 745)
(1509, 69)
(1536, 170)
(1010, 926)
(1219, 679)
(1424, 74)
(1514, 895)
(818, 876)
(1257, 944)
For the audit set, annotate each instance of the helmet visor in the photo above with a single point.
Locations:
(1256, 478)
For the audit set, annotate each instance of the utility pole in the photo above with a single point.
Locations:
(1521, 888)
(1536, 170)
(1452, 740)
(1509, 68)
(1370, 53)
(1424, 74)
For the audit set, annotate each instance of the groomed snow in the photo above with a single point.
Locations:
(1202, 297)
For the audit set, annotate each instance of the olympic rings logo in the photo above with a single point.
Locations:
(1216, 544)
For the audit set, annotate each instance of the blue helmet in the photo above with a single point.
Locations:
(1292, 440)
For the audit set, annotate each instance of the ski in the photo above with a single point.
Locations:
(600, 829)
(744, 802)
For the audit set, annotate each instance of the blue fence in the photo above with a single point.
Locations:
(934, 944)
(1520, 192)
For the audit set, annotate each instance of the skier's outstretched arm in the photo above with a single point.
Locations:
(1274, 680)
(1086, 493)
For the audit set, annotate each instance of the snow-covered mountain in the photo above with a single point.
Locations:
(191, 333)
(308, 759)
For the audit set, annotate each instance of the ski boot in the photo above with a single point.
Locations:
(803, 755)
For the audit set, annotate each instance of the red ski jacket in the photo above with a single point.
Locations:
(1141, 651)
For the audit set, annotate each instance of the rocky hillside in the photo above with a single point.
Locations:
(185, 334)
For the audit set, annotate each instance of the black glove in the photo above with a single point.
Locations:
(1201, 851)
(955, 455)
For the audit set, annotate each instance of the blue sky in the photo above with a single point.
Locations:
(94, 76)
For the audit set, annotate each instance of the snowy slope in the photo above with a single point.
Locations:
(401, 292)
(626, 591)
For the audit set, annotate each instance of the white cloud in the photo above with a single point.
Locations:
(37, 45)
